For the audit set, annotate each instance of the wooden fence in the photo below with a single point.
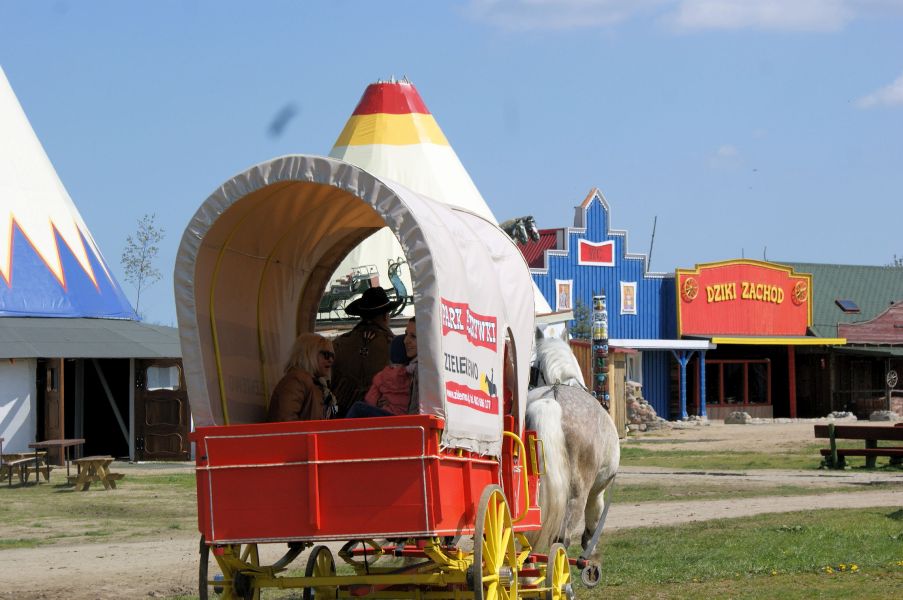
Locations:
(617, 377)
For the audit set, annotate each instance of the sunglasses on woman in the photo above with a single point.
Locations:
(327, 354)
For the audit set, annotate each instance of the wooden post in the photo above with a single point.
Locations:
(834, 461)
(131, 434)
(832, 379)
(791, 376)
(702, 411)
(683, 357)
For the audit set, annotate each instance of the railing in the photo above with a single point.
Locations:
(863, 401)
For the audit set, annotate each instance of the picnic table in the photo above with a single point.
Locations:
(47, 444)
(94, 468)
(22, 465)
(835, 458)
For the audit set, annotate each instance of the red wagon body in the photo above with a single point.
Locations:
(348, 479)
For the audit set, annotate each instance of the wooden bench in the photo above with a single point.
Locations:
(835, 458)
(19, 468)
(22, 465)
(29, 470)
(92, 469)
(110, 477)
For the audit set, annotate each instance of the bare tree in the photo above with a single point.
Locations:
(140, 252)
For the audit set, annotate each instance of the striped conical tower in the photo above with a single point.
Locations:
(50, 265)
(392, 134)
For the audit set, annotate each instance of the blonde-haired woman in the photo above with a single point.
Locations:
(303, 392)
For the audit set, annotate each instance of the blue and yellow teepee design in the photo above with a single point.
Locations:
(50, 265)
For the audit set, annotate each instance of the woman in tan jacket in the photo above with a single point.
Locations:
(303, 392)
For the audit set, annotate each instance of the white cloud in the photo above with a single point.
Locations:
(788, 15)
(889, 95)
(727, 151)
(559, 14)
(682, 15)
(726, 156)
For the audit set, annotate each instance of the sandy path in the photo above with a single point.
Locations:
(651, 514)
(160, 569)
(168, 567)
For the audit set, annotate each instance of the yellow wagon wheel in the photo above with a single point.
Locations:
(243, 584)
(232, 584)
(320, 563)
(218, 582)
(203, 568)
(494, 556)
(558, 574)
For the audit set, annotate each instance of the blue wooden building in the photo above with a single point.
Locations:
(571, 264)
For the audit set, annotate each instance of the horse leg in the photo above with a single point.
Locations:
(575, 507)
(595, 506)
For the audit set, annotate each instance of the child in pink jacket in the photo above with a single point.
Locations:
(391, 387)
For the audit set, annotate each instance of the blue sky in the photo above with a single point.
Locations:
(759, 128)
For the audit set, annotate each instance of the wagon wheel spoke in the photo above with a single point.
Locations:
(243, 579)
(243, 584)
(320, 563)
(558, 574)
(494, 567)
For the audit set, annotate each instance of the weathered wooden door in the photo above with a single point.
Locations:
(162, 419)
(54, 407)
(618, 391)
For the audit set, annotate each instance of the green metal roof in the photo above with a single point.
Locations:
(873, 289)
(63, 337)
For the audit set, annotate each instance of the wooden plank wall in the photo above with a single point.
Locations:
(617, 365)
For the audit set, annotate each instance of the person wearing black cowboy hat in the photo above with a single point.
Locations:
(364, 351)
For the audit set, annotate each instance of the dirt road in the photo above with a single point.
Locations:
(168, 567)
(654, 514)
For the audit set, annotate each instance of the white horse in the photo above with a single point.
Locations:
(581, 444)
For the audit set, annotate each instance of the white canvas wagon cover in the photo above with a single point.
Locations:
(257, 255)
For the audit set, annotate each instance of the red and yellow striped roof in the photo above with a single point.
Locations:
(391, 113)
(393, 135)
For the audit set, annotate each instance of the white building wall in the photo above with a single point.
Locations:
(18, 408)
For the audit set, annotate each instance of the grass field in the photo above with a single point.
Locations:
(682, 491)
(143, 507)
(826, 553)
(805, 457)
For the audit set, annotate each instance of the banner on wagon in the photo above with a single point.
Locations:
(471, 358)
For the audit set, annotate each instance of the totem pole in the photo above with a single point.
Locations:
(600, 350)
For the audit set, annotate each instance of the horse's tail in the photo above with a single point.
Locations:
(544, 417)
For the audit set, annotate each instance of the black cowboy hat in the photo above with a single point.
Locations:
(374, 301)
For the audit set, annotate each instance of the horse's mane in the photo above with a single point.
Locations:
(558, 363)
